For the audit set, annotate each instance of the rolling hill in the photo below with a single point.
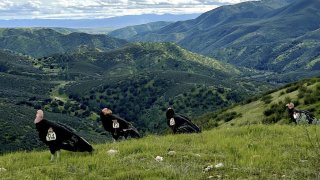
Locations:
(138, 82)
(44, 42)
(130, 31)
(141, 80)
(269, 108)
(264, 35)
(24, 88)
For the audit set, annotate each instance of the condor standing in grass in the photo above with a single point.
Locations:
(301, 116)
(117, 126)
(180, 124)
(58, 136)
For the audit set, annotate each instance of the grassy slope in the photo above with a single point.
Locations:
(254, 110)
(255, 152)
(305, 94)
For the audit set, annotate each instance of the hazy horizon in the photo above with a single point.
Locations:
(98, 9)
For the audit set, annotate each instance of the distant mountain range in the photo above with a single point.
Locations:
(130, 31)
(114, 22)
(280, 36)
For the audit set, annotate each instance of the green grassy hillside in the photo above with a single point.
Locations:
(256, 34)
(18, 130)
(269, 108)
(138, 82)
(141, 80)
(137, 57)
(44, 42)
(23, 89)
(250, 152)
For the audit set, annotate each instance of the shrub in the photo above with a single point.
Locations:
(275, 113)
(292, 88)
(230, 115)
(310, 99)
(267, 99)
(287, 99)
(268, 112)
(302, 92)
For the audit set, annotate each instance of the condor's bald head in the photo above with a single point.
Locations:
(106, 111)
(39, 116)
(290, 105)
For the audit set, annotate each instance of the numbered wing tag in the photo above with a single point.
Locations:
(51, 136)
(115, 124)
(172, 122)
(296, 115)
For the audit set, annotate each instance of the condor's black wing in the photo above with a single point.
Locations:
(185, 123)
(57, 134)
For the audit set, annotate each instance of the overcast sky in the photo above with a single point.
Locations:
(81, 9)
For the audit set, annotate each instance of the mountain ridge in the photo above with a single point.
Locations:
(45, 41)
(259, 38)
(114, 22)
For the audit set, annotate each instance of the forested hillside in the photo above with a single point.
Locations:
(130, 31)
(141, 80)
(73, 75)
(138, 82)
(24, 89)
(43, 42)
(280, 36)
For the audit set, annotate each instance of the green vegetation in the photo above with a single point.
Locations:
(141, 80)
(138, 82)
(44, 42)
(18, 130)
(130, 31)
(73, 75)
(144, 99)
(25, 88)
(304, 94)
(251, 152)
(252, 34)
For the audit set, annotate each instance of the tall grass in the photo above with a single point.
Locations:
(248, 152)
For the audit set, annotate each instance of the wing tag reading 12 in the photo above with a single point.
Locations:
(172, 122)
(51, 136)
(115, 124)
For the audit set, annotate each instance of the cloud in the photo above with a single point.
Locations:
(76, 9)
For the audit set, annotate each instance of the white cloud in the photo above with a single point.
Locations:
(22, 9)
(5, 4)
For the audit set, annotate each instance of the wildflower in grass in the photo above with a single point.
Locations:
(112, 152)
(219, 165)
(159, 158)
(171, 153)
(208, 168)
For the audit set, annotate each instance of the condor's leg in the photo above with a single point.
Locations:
(52, 151)
(115, 137)
(58, 154)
